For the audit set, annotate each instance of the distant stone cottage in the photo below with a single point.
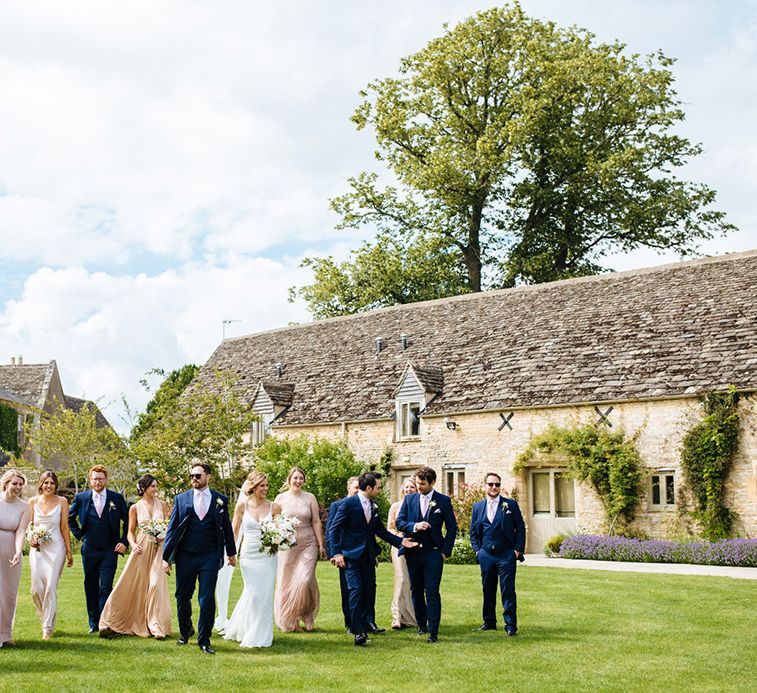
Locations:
(462, 384)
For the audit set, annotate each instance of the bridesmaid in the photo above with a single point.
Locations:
(46, 560)
(14, 519)
(403, 615)
(139, 604)
(297, 595)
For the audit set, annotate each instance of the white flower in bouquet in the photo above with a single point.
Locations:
(39, 535)
(278, 534)
(155, 529)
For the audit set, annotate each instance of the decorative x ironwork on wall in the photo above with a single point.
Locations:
(603, 416)
(505, 421)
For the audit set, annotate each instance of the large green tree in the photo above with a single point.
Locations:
(526, 152)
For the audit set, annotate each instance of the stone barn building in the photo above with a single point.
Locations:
(462, 384)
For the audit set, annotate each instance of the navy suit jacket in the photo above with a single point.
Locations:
(440, 515)
(509, 530)
(349, 533)
(177, 526)
(115, 512)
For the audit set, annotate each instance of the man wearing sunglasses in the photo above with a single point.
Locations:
(498, 536)
(198, 532)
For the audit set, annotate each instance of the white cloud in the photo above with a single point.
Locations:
(105, 331)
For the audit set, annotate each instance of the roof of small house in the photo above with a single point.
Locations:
(6, 396)
(76, 404)
(667, 331)
(29, 381)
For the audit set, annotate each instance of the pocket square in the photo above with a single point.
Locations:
(437, 511)
(509, 512)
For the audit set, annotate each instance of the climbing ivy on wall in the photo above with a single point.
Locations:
(609, 461)
(9, 429)
(708, 450)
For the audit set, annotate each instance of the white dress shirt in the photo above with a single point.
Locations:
(205, 494)
(424, 499)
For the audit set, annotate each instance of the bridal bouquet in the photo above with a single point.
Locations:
(39, 535)
(155, 529)
(278, 534)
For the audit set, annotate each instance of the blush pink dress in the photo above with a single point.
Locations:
(297, 595)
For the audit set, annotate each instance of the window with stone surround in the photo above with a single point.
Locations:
(662, 490)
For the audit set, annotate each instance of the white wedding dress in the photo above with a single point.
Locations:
(251, 623)
(46, 568)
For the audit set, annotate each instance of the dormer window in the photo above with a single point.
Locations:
(417, 388)
(271, 401)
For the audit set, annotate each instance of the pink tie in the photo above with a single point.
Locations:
(201, 510)
(424, 504)
(367, 511)
(492, 511)
(99, 505)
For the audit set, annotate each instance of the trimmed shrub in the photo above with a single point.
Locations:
(462, 553)
(552, 547)
(728, 552)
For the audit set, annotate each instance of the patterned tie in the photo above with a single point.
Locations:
(201, 509)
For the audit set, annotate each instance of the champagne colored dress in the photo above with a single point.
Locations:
(251, 623)
(402, 601)
(139, 603)
(297, 594)
(11, 515)
(46, 567)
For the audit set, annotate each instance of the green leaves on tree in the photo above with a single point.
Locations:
(521, 152)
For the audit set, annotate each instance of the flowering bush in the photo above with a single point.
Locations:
(734, 552)
(462, 552)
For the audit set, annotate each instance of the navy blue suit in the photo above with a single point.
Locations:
(355, 539)
(197, 548)
(343, 589)
(425, 563)
(99, 536)
(495, 544)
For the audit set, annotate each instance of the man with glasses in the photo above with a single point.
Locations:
(198, 532)
(498, 536)
(99, 519)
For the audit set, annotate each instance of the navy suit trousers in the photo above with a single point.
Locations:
(499, 568)
(200, 568)
(361, 582)
(99, 569)
(425, 570)
(345, 592)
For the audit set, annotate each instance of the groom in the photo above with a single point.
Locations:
(353, 547)
(99, 519)
(198, 532)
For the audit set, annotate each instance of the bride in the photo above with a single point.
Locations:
(251, 623)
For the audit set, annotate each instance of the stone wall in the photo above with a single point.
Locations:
(478, 445)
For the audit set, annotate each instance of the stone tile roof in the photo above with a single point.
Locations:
(673, 330)
(281, 394)
(29, 381)
(431, 378)
(76, 404)
(6, 396)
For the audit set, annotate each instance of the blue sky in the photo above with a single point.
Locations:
(164, 166)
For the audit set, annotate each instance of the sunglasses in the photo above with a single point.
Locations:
(197, 476)
(496, 484)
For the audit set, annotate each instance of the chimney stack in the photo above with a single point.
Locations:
(13, 360)
(20, 360)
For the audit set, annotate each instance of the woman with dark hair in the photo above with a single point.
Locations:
(46, 559)
(139, 604)
(297, 594)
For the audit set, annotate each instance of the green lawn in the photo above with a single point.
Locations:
(579, 630)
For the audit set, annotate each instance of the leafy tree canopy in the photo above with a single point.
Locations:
(522, 152)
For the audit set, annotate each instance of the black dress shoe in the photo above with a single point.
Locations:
(374, 629)
(432, 638)
(207, 649)
(422, 631)
(361, 639)
(488, 626)
(511, 633)
(93, 630)
(182, 640)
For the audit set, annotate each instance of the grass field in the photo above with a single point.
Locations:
(579, 631)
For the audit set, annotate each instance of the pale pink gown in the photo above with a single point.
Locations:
(11, 515)
(297, 595)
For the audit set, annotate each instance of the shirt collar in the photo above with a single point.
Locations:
(363, 498)
(204, 492)
(95, 494)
